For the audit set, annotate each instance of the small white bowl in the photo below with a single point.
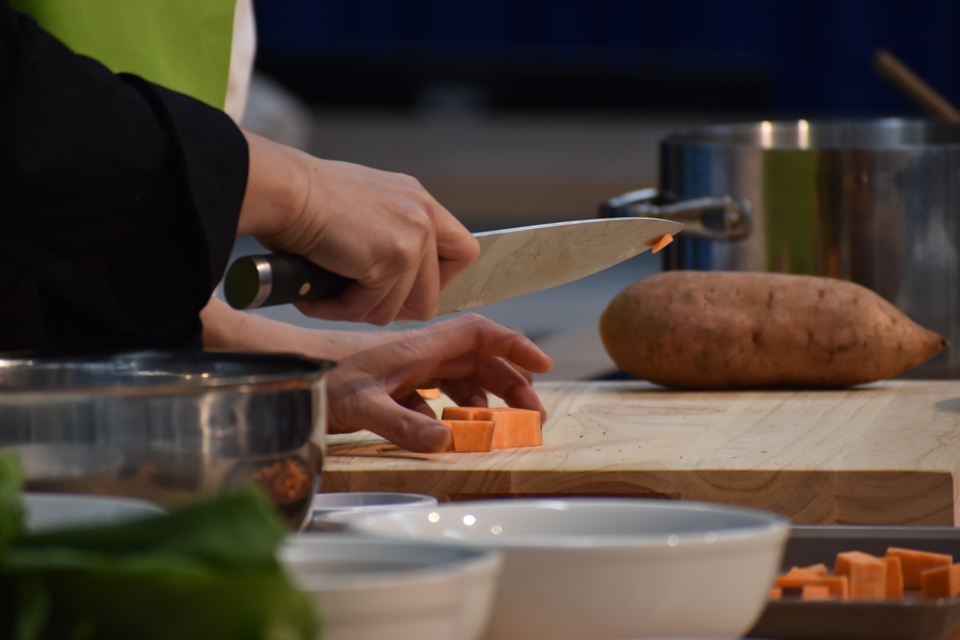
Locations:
(380, 590)
(608, 568)
(51, 511)
(324, 504)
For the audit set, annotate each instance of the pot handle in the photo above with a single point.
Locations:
(714, 218)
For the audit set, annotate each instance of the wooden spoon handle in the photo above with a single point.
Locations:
(913, 86)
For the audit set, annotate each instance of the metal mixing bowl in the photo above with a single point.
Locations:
(166, 426)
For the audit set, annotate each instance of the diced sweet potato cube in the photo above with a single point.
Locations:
(514, 427)
(894, 578)
(913, 563)
(470, 436)
(867, 574)
(941, 582)
(815, 592)
(839, 585)
(817, 569)
(460, 413)
(797, 572)
(429, 394)
(776, 593)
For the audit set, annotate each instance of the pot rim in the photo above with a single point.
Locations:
(849, 134)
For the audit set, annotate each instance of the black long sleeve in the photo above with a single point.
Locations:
(119, 201)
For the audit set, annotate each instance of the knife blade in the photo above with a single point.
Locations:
(512, 263)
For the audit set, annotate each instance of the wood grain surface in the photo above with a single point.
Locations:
(885, 453)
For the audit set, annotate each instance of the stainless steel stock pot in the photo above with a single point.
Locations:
(163, 426)
(872, 201)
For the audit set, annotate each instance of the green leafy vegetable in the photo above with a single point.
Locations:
(237, 529)
(204, 571)
(34, 606)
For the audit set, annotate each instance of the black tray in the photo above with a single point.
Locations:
(911, 619)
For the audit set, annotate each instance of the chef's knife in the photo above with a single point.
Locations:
(512, 262)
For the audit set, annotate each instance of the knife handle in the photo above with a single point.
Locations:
(279, 278)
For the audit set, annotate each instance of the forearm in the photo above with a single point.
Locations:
(277, 187)
(227, 328)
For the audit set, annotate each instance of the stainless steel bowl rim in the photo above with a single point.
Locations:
(153, 372)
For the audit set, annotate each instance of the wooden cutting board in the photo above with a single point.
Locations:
(885, 453)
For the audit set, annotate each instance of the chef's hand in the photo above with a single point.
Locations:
(381, 229)
(376, 389)
(374, 385)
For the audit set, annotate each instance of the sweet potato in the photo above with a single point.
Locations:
(470, 436)
(894, 589)
(913, 563)
(861, 576)
(717, 330)
(513, 427)
(664, 240)
(941, 582)
(815, 592)
(460, 413)
(867, 574)
(818, 569)
(813, 571)
(839, 585)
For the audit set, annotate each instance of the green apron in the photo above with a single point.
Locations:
(182, 45)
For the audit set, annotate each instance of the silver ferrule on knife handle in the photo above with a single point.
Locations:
(713, 218)
(264, 281)
(280, 278)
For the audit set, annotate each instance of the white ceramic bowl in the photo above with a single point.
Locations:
(608, 568)
(324, 504)
(49, 511)
(382, 590)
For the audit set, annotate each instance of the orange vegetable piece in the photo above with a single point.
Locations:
(514, 427)
(799, 574)
(817, 571)
(839, 585)
(776, 593)
(663, 241)
(867, 573)
(815, 592)
(941, 582)
(470, 436)
(894, 578)
(913, 563)
(429, 394)
(460, 413)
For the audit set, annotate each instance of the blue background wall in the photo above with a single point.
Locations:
(810, 56)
